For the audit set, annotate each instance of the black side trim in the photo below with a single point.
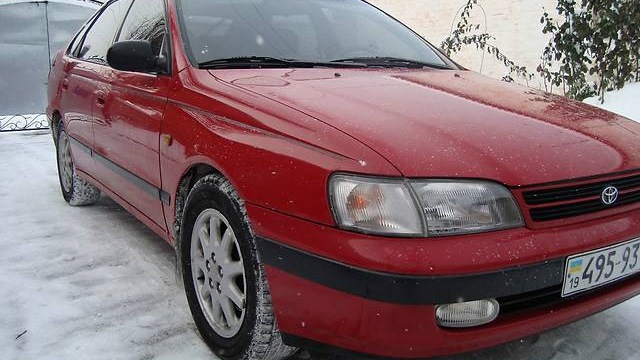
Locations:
(142, 184)
(165, 197)
(405, 289)
(80, 146)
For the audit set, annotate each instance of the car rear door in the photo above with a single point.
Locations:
(128, 117)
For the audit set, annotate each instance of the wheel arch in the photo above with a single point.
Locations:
(188, 179)
(196, 171)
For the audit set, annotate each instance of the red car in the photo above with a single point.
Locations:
(331, 181)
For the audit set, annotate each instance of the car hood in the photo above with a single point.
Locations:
(442, 123)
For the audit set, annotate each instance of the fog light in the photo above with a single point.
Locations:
(467, 314)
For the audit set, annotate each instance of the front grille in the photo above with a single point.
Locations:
(569, 201)
(530, 301)
(552, 296)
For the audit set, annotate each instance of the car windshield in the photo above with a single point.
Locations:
(241, 33)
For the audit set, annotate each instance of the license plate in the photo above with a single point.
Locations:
(600, 267)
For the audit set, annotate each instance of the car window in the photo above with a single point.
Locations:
(361, 33)
(319, 30)
(73, 47)
(103, 31)
(146, 21)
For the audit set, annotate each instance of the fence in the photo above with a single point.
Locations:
(31, 33)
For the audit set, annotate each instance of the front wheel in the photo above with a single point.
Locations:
(224, 280)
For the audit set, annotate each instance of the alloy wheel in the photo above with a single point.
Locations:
(65, 162)
(218, 273)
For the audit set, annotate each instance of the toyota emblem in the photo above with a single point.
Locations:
(609, 195)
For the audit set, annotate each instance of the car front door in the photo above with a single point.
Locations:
(128, 117)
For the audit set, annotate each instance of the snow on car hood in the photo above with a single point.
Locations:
(440, 123)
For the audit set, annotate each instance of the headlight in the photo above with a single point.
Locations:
(464, 207)
(375, 206)
(400, 208)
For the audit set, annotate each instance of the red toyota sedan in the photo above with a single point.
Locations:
(332, 182)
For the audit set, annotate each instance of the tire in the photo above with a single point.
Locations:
(224, 280)
(76, 191)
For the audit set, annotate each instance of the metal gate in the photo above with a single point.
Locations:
(31, 33)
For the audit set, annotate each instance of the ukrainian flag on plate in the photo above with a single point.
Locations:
(575, 266)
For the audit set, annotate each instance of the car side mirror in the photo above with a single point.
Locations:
(132, 55)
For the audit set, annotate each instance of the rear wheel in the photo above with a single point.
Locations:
(76, 191)
(224, 280)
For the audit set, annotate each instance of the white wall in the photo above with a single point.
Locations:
(514, 23)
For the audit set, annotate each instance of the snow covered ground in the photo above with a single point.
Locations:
(84, 283)
(624, 102)
(94, 283)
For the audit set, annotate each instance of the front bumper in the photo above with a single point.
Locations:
(349, 293)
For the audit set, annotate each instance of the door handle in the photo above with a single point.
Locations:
(167, 140)
(100, 98)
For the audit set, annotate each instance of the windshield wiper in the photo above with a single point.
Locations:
(266, 62)
(387, 61)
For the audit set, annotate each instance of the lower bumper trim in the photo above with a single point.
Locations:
(406, 289)
(308, 344)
